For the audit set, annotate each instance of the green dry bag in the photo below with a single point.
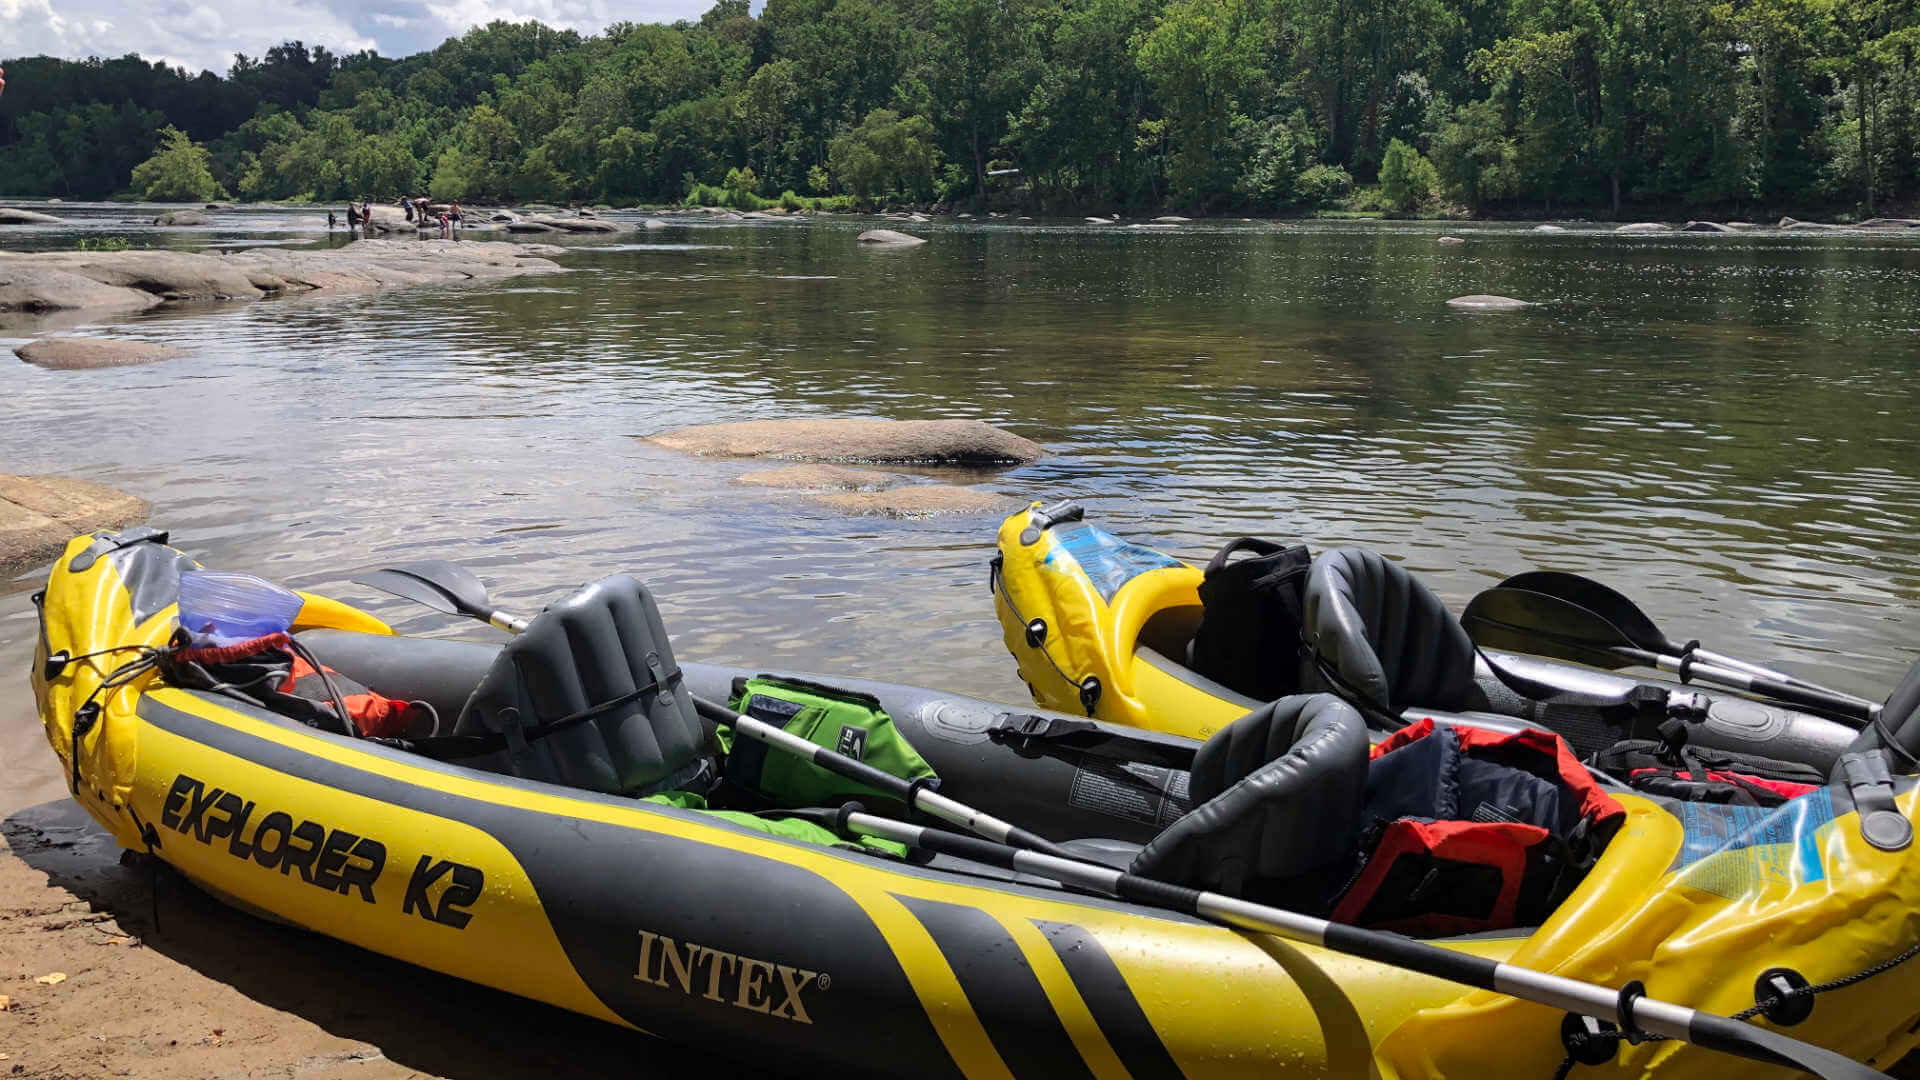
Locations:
(851, 723)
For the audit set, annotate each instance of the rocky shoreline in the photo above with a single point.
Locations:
(71, 287)
(39, 514)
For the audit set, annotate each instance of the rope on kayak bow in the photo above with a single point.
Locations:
(1783, 996)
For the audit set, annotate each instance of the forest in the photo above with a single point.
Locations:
(1466, 106)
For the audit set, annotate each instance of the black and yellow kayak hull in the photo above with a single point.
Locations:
(688, 926)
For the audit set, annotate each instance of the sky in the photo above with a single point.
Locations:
(204, 34)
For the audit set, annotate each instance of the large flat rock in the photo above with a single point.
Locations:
(75, 353)
(39, 514)
(919, 500)
(107, 282)
(889, 238)
(1487, 302)
(577, 224)
(13, 215)
(928, 442)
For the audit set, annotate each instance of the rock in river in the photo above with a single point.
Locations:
(13, 216)
(74, 353)
(111, 281)
(39, 514)
(888, 236)
(1548, 228)
(1484, 302)
(577, 224)
(1644, 227)
(820, 478)
(1451, 240)
(182, 217)
(1705, 226)
(919, 500)
(936, 442)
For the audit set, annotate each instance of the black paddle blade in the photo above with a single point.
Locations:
(1760, 1044)
(1603, 601)
(1519, 620)
(440, 585)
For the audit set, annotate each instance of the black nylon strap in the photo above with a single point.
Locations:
(455, 747)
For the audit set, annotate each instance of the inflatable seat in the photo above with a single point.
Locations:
(1385, 634)
(1277, 796)
(589, 696)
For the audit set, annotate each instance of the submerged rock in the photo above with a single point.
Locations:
(1644, 227)
(76, 353)
(1705, 226)
(182, 217)
(1101, 221)
(39, 514)
(935, 442)
(1548, 228)
(919, 500)
(821, 478)
(888, 237)
(653, 223)
(1172, 219)
(1486, 302)
(1451, 240)
(518, 226)
(1889, 223)
(13, 216)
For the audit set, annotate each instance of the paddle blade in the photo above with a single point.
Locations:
(1635, 625)
(1761, 1044)
(1518, 620)
(440, 585)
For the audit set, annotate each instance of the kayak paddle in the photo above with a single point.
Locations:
(1638, 627)
(1522, 620)
(451, 589)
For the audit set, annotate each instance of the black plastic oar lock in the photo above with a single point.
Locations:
(1036, 633)
(1090, 693)
(1589, 1041)
(1782, 996)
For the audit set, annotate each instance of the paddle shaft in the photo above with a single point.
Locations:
(916, 796)
(1790, 693)
(1572, 995)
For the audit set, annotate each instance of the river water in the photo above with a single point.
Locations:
(1720, 426)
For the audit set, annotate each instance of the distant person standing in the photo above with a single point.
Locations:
(353, 217)
(406, 206)
(332, 221)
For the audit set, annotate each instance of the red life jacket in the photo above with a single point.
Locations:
(271, 670)
(1471, 830)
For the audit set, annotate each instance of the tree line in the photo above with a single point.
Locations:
(1262, 105)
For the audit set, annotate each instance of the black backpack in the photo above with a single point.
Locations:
(1249, 635)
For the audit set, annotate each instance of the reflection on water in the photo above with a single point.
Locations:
(1720, 426)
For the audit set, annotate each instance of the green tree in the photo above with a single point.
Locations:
(177, 171)
(886, 153)
(1198, 57)
(1407, 179)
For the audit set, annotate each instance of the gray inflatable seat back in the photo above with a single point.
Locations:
(603, 644)
(1385, 633)
(1277, 797)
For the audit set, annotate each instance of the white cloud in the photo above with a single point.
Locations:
(206, 33)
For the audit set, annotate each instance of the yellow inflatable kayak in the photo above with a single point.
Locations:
(1103, 627)
(773, 940)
